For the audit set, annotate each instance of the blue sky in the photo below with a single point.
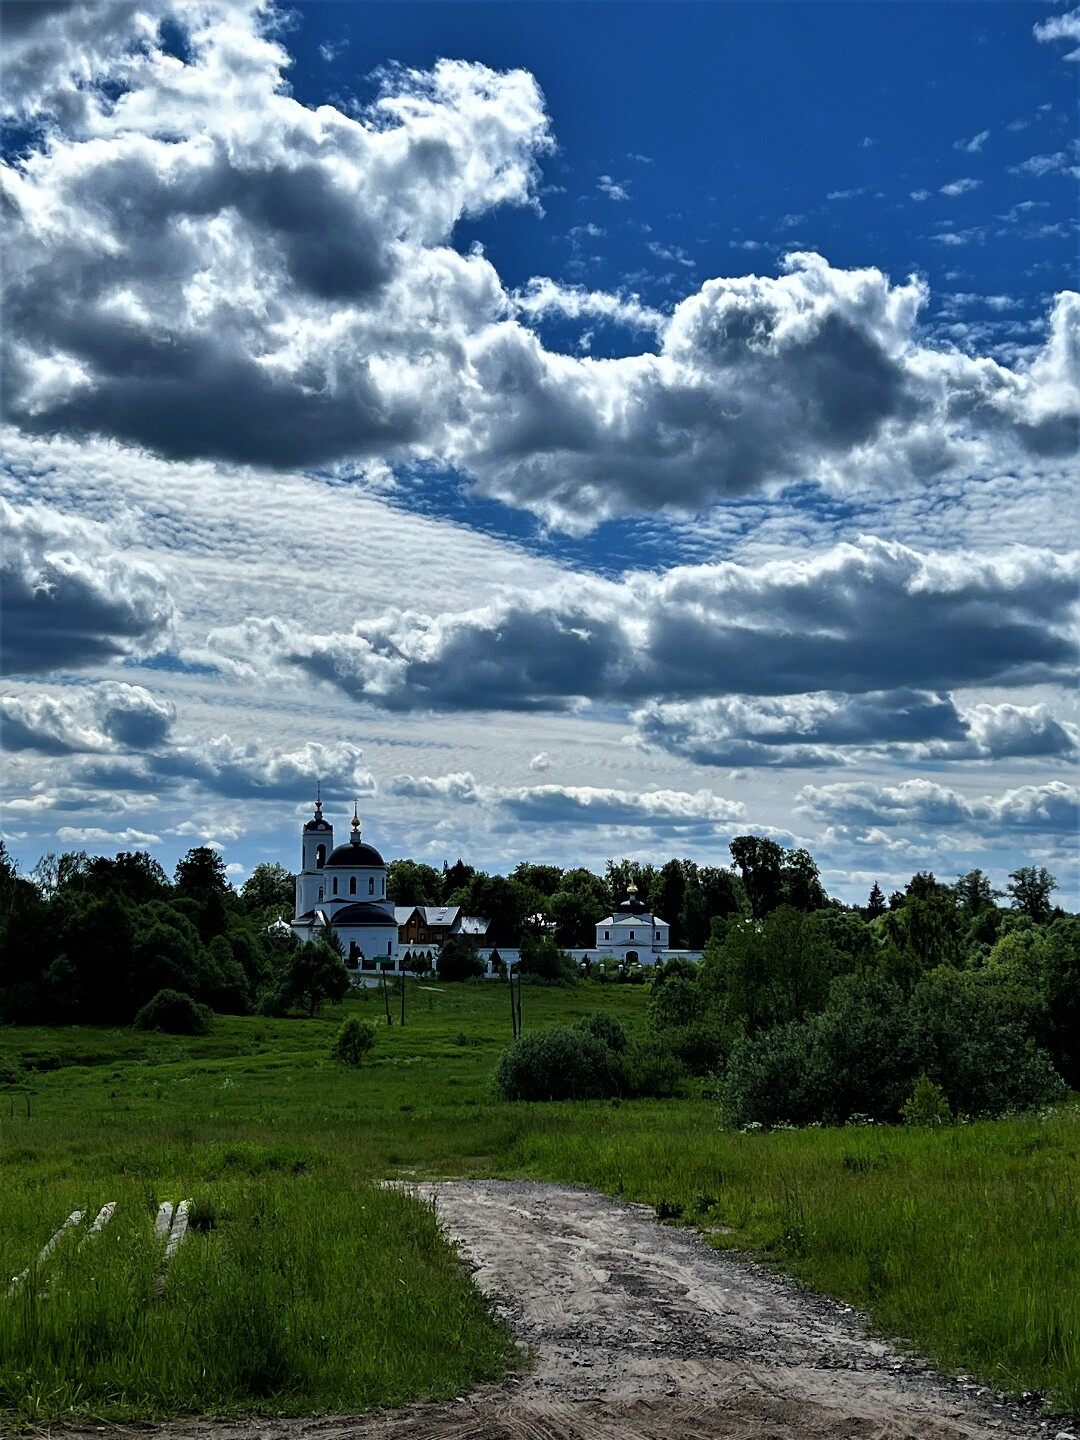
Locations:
(577, 430)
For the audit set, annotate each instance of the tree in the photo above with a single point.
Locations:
(800, 879)
(408, 882)
(269, 887)
(201, 870)
(54, 873)
(545, 878)
(542, 959)
(174, 1012)
(665, 899)
(876, 904)
(454, 877)
(580, 902)
(353, 1041)
(975, 893)
(135, 875)
(458, 960)
(1030, 888)
(760, 864)
(312, 973)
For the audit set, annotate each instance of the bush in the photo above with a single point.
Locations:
(175, 1013)
(544, 961)
(863, 1053)
(458, 960)
(353, 1041)
(926, 1105)
(607, 1029)
(650, 1071)
(558, 1064)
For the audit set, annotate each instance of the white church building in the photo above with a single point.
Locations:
(344, 887)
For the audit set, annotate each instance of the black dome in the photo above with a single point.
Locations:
(319, 824)
(362, 914)
(630, 906)
(354, 855)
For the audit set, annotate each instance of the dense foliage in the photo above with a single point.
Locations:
(802, 1009)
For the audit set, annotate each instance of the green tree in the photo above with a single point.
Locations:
(353, 1041)
(975, 893)
(800, 881)
(135, 875)
(876, 904)
(666, 895)
(458, 960)
(410, 882)
(201, 870)
(760, 863)
(543, 959)
(174, 1012)
(1031, 887)
(454, 877)
(544, 878)
(269, 890)
(580, 902)
(312, 974)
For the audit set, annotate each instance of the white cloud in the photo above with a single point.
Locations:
(963, 186)
(69, 597)
(1051, 807)
(1060, 27)
(262, 282)
(105, 717)
(1057, 163)
(973, 144)
(577, 804)
(780, 627)
(613, 189)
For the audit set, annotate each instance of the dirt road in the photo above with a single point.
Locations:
(640, 1331)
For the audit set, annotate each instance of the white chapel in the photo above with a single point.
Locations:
(345, 887)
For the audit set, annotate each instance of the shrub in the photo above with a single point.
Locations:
(607, 1029)
(544, 961)
(926, 1105)
(558, 1064)
(175, 1013)
(648, 1070)
(863, 1053)
(458, 960)
(353, 1041)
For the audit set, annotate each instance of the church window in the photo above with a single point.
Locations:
(389, 947)
(320, 857)
(352, 885)
(320, 892)
(382, 886)
(335, 892)
(631, 934)
(371, 885)
(607, 935)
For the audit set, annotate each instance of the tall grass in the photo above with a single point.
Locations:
(964, 1241)
(299, 1287)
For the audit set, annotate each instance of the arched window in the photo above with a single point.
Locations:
(631, 957)
(320, 856)
(352, 884)
(382, 886)
(389, 947)
(371, 885)
(334, 889)
(320, 892)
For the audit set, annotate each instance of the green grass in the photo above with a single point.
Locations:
(963, 1241)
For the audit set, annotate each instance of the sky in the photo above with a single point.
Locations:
(567, 430)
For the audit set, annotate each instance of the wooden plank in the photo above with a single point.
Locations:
(50, 1245)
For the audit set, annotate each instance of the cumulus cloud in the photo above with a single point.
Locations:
(204, 266)
(963, 186)
(92, 718)
(238, 770)
(1061, 27)
(834, 729)
(1051, 808)
(576, 804)
(973, 144)
(860, 618)
(70, 598)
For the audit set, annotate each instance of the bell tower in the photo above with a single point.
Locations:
(318, 842)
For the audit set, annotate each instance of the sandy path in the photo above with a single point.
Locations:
(640, 1331)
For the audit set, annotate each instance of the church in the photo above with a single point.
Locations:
(345, 887)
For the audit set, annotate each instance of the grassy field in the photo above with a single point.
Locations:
(964, 1241)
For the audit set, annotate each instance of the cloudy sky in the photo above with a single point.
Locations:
(574, 430)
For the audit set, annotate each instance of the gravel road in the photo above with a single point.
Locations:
(640, 1331)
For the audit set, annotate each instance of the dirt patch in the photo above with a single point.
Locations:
(640, 1331)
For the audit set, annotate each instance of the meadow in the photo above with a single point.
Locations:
(305, 1287)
